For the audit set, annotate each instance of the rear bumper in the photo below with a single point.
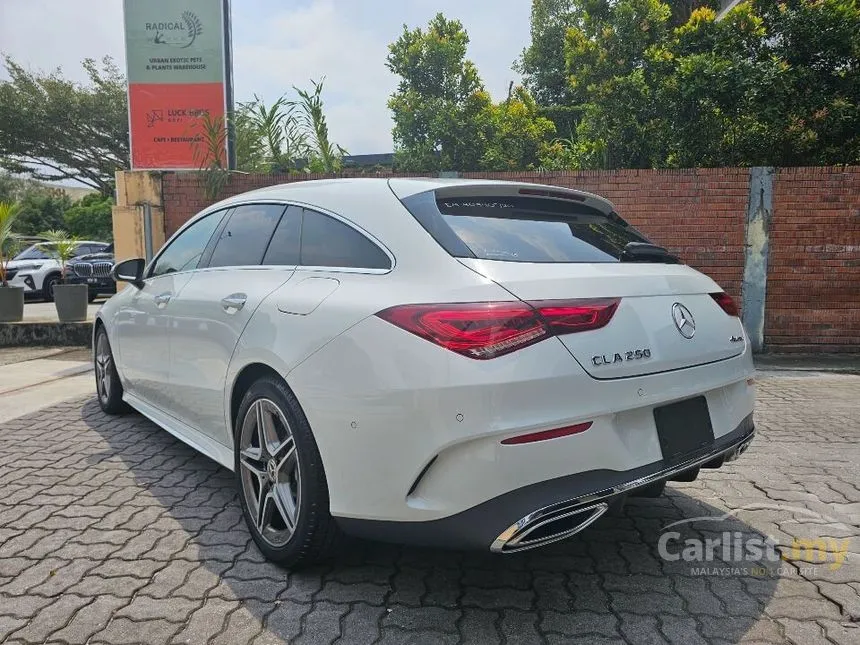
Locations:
(500, 522)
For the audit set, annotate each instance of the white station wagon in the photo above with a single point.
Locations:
(440, 362)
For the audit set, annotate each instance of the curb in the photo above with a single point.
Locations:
(48, 334)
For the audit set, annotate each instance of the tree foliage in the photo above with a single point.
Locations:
(444, 119)
(41, 210)
(774, 83)
(90, 218)
(53, 129)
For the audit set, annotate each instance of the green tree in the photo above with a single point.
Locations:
(53, 129)
(444, 119)
(774, 83)
(41, 209)
(440, 108)
(543, 63)
(90, 218)
(519, 133)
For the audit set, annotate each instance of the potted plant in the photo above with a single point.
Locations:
(11, 298)
(70, 299)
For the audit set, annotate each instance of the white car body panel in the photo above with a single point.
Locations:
(384, 403)
(207, 333)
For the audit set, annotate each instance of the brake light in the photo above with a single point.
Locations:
(567, 317)
(555, 194)
(484, 330)
(726, 303)
(547, 434)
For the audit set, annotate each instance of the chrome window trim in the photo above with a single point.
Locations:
(286, 203)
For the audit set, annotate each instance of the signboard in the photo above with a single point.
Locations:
(178, 62)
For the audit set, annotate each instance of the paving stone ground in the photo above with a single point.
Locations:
(111, 531)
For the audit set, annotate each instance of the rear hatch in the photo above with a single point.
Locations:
(556, 245)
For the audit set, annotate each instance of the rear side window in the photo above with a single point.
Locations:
(523, 229)
(244, 238)
(327, 242)
(286, 242)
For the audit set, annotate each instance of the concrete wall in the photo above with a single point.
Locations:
(785, 240)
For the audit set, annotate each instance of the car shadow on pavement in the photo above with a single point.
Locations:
(179, 534)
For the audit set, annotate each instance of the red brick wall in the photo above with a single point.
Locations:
(813, 282)
(813, 297)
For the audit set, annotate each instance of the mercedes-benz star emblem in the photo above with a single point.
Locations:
(683, 320)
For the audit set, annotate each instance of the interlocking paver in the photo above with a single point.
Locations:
(129, 536)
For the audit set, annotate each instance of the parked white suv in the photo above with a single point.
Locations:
(36, 269)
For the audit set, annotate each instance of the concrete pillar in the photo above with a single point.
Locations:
(136, 193)
(756, 242)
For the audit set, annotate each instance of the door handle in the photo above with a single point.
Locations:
(234, 302)
(162, 299)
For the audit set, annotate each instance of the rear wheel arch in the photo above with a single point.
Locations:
(246, 377)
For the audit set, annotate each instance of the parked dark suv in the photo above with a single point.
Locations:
(94, 270)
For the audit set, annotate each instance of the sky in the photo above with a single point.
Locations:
(281, 43)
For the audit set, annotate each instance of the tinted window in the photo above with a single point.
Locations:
(327, 242)
(243, 240)
(284, 247)
(84, 249)
(35, 252)
(184, 252)
(524, 229)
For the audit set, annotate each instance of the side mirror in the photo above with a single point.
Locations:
(130, 271)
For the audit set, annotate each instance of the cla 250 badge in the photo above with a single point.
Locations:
(632, 355)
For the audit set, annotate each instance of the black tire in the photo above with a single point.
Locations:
(109, 392)
(48, 286)
(315, 536)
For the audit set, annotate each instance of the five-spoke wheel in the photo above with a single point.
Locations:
(271, 479)
(280, 476)
(108, 386)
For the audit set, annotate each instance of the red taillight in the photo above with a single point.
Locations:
(567, 317)
(547, 434)
(726, 303)
(488, 329)
(477, 330)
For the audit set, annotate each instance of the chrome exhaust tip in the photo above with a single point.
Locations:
(737, 452)
(547, 525)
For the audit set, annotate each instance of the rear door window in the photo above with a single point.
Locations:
(524, 229)
(244, 238)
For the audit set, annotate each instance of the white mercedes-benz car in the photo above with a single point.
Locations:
(439, 362)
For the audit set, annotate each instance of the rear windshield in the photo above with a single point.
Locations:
(523, 229)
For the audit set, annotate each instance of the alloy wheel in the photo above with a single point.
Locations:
(103, 367)
(270, 475)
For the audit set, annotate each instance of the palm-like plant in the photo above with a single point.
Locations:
(62, 246)
(324, 155)
(8, 242)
